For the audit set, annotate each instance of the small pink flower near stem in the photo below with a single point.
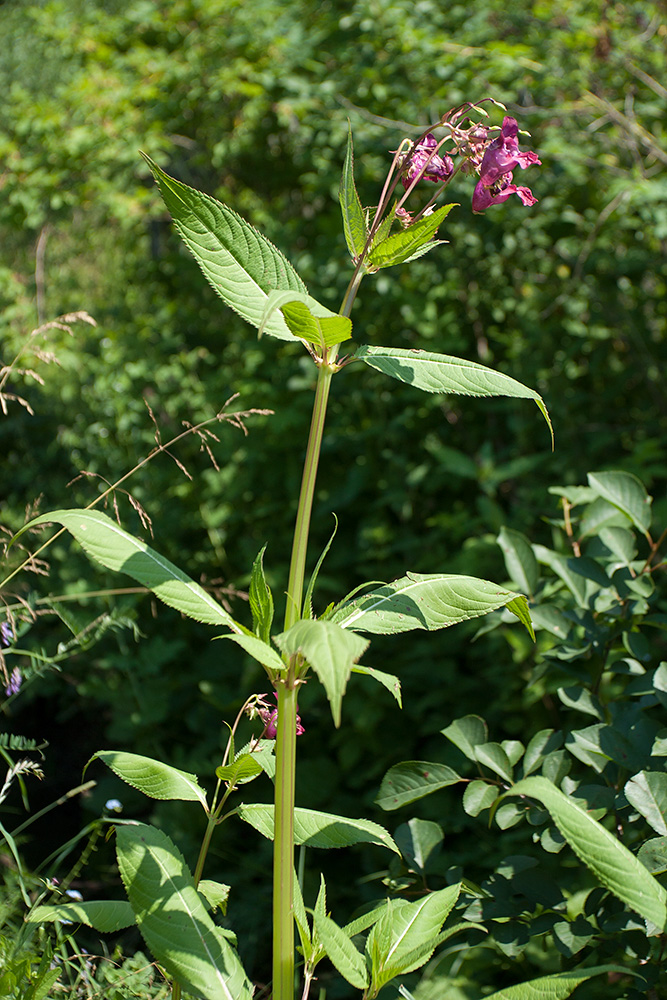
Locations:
(426, 164)
(495, 172)
(269, 717)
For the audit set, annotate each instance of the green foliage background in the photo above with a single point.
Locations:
(250, 102)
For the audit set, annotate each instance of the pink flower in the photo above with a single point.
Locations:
(270, 719)
(425, 162)
(495, 172)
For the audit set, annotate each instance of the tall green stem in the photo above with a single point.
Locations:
(283, 844)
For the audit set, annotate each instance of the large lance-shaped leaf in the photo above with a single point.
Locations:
(428, 601)
(329, 650)
(556, 987)
(319, 829)
(611, 862)
(106, 916)
(241, 264)
(354, 224)
(172, 917)
(405, 936)
(411, 242)
(626, 492)
(105, 541)
(153, 777)
(445, 374)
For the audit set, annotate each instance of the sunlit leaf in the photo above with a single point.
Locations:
(241, 264)
(105, 541)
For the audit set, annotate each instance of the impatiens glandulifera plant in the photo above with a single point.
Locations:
(169, 904)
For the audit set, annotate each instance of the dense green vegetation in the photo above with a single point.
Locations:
(250, 102)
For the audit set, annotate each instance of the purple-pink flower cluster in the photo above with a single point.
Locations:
(425, 163)
(493, 159)
(269, 717)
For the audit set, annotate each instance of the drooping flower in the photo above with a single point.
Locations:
(426, 163)
(495, 173)
(269, 717)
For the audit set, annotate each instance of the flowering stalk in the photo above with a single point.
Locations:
(285, 778)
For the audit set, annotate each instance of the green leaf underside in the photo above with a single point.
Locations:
(106, 916)
(611, 862)
(172, 917)
(241, 264)
(107, 543)
(625, 492)
(319, 829)
(399, 247)
(327, 648)
(152, 777)
(411, 780)
(556, 987)
(354, 224)
(325, 331)
(442, 373)
(259, 650)
(647, 792)
(428, 601)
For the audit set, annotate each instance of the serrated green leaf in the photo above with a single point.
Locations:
(411, 780)
(215, 893)
(343, 954)
(152, 777)
(106, 916)
(301, 919)
(260, 651)
(308, 597)
(106, 542)
(242, 265)
(399, 247)
(556, 987)
(626, 492)
(354, 223)
(323, 331)
(319, 829)
(260, 599)
(612, 863)
(172, 917)
(410, 936)
(427, 601)
(329, 650)
(520, 562)
(444, 374)
(647, 792)
(392, 683)
(244, 768)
